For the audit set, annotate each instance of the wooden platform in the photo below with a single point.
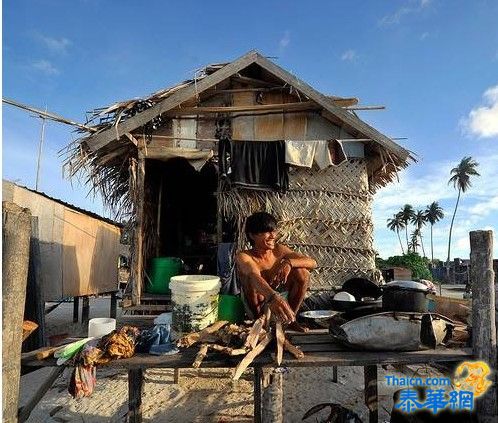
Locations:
(320, 351)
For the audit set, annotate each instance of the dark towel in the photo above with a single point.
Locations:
(259, 165)
(227, 269)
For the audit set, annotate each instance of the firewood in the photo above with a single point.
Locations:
(192, 338)
(280, 336)
(200, 356)
(295, 351)
(251, 355)
(253, 337)
(228, 350)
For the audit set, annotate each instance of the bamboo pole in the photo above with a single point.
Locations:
(16, 225)
(484, 315)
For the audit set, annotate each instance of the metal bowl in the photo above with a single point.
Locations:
(320, 317)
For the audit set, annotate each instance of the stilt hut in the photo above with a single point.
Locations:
(170, 163)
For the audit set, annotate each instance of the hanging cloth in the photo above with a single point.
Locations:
(259, 165)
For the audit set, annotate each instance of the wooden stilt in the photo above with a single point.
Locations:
(176, 376)
(135, 391)
(76, 309)
(258, 379)
(334, 374)
(85, 311)
(272, 410)
(371, 393)
(114, 306)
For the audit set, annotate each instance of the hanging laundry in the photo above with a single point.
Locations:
(321, 152)
(259, 165)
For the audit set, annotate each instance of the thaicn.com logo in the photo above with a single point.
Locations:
(470, 381)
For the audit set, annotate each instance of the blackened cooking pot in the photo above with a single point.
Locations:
(405, 296)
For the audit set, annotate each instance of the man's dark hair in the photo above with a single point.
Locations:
(260, 222)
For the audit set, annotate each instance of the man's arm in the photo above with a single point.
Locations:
(296, 259)
(250, 272)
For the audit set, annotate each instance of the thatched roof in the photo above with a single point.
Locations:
(108, 151)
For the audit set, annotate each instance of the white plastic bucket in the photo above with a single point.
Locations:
(100, 326)
(194, 299)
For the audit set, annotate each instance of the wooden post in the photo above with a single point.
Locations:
(483, 314)
(16, 225)
(85, 310)
(138, 259)
(34, 307)
(272, 411)
(371, 396)
(113, 312)
(334, 374)
(76, 309)
(258, 379)
(176, 376)
(135, 392)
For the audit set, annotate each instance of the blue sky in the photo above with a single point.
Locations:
(432, 63)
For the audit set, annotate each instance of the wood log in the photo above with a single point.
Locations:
(295, 351)
(28, 327)
(192, 338)
(251, 355)
(227, 350)
(280, 337)
(200, 356)
(16, 225)
(483, 314)
(253, 337)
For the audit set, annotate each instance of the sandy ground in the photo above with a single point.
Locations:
(204, 395)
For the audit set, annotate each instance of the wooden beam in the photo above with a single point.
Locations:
(300, 106)
(371, 393)
(138, 263)
(248, 80)
(101, 139)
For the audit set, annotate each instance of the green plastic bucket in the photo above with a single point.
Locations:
(231, 308)
(161, 271)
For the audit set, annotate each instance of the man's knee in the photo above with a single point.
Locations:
(301, 276)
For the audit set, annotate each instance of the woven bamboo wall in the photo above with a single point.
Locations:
(325, 214)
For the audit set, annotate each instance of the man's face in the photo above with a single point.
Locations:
(264, 240)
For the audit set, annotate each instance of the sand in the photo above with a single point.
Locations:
(203, 395)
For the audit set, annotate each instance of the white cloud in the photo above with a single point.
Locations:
(395, 18)
(45, 67)
(349, 56)
(55, 45)
(483, 120)
(285, 40)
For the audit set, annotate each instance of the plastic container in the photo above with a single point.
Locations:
(194, 300)
(161, 271)
(100, 326)
(231, 308)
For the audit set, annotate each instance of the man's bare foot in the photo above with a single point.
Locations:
(297, 327)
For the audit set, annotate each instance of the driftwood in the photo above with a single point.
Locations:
(192, 338)
(248, 359)
(200, 356)
(280, 337)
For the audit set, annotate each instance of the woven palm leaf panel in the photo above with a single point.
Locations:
(325, 214)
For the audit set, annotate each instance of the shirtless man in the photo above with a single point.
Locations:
(268, 268)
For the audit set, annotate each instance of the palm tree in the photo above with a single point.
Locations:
(406, 215)
(461, 180)
(413, 245)
(395, 224)
(419, 220)
(433, 214)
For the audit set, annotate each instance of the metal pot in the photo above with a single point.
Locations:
(407, 296)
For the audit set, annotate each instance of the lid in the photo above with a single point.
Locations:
(408, 285)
